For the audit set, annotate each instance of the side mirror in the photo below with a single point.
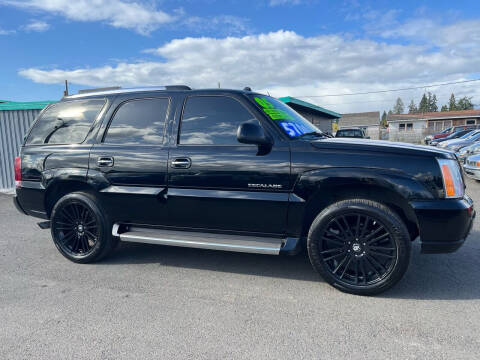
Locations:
(252, 133)
(367, 137)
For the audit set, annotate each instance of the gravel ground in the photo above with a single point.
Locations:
(150, 301)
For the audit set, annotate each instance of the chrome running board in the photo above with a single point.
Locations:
(202, 240)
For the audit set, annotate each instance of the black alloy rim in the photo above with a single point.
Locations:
(357, 249)
(76, 229)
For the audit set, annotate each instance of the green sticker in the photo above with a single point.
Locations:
(270, 110)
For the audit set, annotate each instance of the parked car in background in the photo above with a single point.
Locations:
(352, 133)
(455, 135)
(472, 167)
(467, 151)
(457, 144)
(448, 131)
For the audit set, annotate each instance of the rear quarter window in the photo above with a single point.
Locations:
(65, 122)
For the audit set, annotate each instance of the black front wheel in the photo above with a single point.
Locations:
(80, 230)
(359, 246)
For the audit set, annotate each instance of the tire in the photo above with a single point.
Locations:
(80, 229)
(359, 246)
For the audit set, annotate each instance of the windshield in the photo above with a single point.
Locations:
(470, 133)
(287, 119)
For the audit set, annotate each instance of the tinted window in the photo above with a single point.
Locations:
(65, 122)
(212, 120)
(138, 122)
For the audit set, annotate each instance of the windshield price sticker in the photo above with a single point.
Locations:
(269, 109)
(293, 129)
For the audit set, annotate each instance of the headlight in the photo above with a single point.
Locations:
(452, 178)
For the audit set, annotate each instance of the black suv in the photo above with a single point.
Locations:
(239, 171)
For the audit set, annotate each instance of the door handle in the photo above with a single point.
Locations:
(105, 161)
(181, 163)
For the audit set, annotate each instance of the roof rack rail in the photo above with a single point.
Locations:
(119, 90)
(86, 91)
(178, 87)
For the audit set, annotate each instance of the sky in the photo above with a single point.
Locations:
(311, 49)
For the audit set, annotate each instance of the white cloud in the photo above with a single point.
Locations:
(284, 2)
(285, 63)
(138, 16)
(37, 26)
(6, 32)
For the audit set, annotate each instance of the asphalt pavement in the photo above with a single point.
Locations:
(158, 302)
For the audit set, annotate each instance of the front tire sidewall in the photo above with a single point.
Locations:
(104, 236)
(390, 220)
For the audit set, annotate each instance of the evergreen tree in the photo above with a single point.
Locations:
(412, 108)
(423, 106)
(465, 103)
(444, 108)
(432, 102)
(398, 108)
(383, 122)
(452, 104)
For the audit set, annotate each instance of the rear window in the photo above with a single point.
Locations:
(349, 133)
(138, 122)
(65, 122)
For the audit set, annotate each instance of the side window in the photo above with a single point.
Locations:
(212, 120)
(65, 122)
(138, 122)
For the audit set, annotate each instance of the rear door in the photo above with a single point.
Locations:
(217, 183)
(129, 162)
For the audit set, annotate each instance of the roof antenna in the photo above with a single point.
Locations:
(219, 84)
(268, 93)
(65, 92)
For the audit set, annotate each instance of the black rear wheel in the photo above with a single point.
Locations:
(80, 229)
(359, 246)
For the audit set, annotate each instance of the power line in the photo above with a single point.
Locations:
(390, 90)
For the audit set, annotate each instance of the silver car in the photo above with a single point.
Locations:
(472, 167)
(457, 144)
(467, 151)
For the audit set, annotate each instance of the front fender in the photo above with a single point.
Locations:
(318, 188)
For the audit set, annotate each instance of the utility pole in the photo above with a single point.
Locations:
(65, 92)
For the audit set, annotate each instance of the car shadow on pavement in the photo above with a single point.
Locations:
(289, 267)
(429, 277)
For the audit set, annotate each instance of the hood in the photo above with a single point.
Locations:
(451, 142)
(381, 146)
(456, 143)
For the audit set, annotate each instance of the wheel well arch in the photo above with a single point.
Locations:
(329, 195)
(61, 188)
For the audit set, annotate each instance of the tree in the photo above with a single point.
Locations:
(432, 102)
(423, 105)
(383, 122)
(444, 108)
(412, 108)
(452, 104)
(398, 108)
(465, 103)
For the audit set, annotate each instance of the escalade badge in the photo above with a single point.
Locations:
(265, 186)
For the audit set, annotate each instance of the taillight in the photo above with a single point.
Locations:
(18, 171)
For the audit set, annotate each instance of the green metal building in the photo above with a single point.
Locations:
(15, 120)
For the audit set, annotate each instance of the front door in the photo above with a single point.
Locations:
(215, 182)
(131, 161)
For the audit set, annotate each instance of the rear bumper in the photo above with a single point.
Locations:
(18, 206)
(444, 224)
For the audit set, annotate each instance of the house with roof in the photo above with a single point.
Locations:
(326, 120)
(15, 120)
(414, 127)
(368, 121)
